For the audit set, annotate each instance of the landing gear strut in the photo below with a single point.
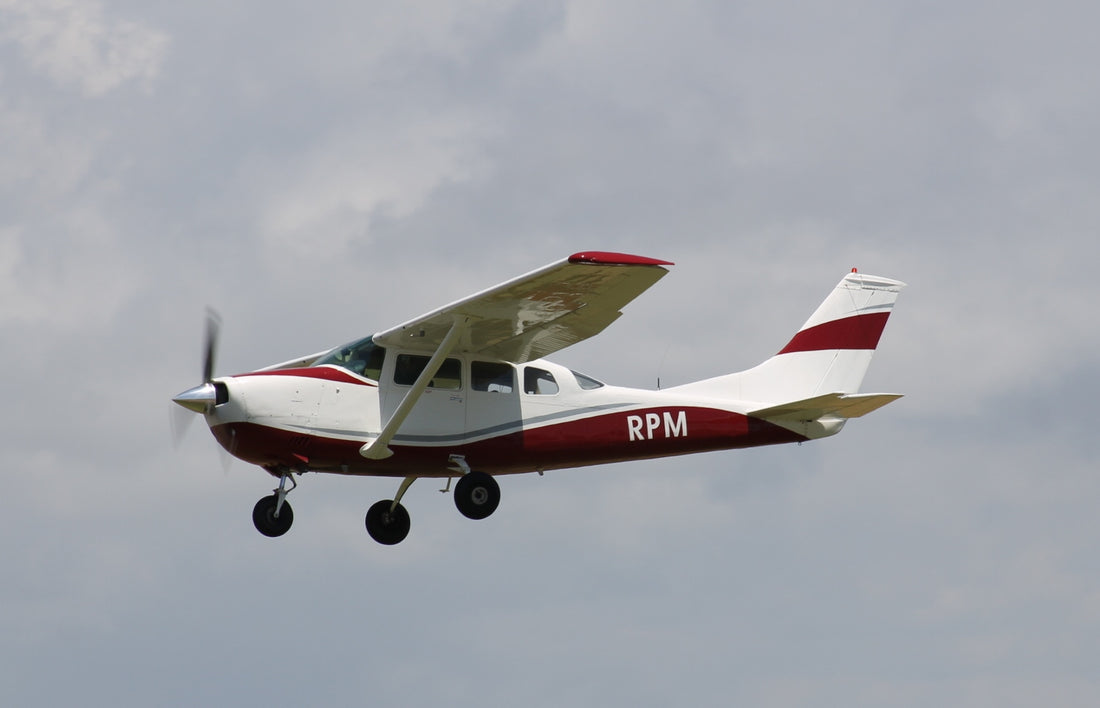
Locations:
(272, 515)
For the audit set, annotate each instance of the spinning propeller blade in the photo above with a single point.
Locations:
(213, 327)
(180, 421)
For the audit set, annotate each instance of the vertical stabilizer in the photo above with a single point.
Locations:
(829, 354)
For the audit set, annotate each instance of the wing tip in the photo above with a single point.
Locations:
(620, 259)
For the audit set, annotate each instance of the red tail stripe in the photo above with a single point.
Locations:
(859, 332)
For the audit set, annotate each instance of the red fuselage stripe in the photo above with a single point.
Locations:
(859, 332)
(324, 373)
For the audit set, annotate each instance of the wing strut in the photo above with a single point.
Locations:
(378, 449)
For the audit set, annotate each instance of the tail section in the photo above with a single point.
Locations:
(825, 360)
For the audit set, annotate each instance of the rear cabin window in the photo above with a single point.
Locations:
(408, 368)
(539, 382)
(587, 382)
(494, 377)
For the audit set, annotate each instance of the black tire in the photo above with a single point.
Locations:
(388, 526)
(263, 516)
(477, 495)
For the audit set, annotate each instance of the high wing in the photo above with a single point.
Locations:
(520, 320)
(536, 314)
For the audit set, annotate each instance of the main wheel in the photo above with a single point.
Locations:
(477, 495)
(388, 526)
(263, 516)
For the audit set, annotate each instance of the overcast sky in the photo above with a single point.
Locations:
(320, 171)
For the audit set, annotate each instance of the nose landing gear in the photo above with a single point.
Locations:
(272, 516)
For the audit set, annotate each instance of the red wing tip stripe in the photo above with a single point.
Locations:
(859, 332)
(609, 258)
(326, 373)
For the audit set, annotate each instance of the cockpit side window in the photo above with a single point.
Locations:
(363, 357)
(372, 366)
(539, 382)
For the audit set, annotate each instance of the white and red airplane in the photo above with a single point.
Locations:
(463, 392)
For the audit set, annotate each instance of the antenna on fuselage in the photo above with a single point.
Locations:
(661, 366)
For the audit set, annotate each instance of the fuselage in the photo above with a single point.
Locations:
(502, 418)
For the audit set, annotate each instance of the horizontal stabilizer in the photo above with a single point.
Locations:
(839, 405)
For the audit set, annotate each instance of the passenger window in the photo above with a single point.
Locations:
(539, 382)
(408, 368)
(494, 377)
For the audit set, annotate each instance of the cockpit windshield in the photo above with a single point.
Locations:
(362, 357)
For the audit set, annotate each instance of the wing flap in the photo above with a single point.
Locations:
(840, 405)
(538, 313)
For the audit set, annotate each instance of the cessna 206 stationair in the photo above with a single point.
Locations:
(463, 392)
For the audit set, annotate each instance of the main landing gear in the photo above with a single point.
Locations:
(387, 521)
(476, 495)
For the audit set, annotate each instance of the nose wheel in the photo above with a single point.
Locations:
(265, 519)
(272, 516)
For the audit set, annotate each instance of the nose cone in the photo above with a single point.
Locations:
(199, 398)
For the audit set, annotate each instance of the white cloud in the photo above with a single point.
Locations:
(324, 199)
(47, 276)
(41, 164)
(75, 44)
